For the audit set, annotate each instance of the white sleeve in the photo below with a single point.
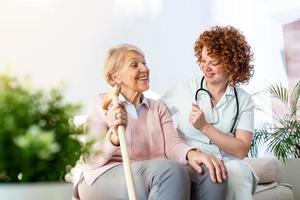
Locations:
(246, 116)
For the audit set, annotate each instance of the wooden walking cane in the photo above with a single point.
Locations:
(121, 134)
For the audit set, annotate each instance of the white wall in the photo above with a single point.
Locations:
(65, 40)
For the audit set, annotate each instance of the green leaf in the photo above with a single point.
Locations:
(279, 92)
(294, 100)
(35, 132)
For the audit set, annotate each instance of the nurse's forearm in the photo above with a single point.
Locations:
(226, 142)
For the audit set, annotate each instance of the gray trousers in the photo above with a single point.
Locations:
(154, 180)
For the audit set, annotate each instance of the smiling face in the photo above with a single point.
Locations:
(134, 74)
(212, 70)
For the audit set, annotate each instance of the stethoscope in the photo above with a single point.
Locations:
(236, 99)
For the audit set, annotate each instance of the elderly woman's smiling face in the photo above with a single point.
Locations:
(134, 74)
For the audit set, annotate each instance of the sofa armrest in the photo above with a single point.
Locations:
(267, 169)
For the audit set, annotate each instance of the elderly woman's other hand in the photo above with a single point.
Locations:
(216, 167)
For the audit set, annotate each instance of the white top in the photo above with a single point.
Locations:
(179, 100)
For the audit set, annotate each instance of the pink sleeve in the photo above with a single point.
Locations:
(96, 127)
(176, 149)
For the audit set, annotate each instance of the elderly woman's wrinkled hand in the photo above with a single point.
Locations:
(216, 167)
(116, 116)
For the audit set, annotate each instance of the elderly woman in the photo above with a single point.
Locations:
(212, 113)
(157, 153)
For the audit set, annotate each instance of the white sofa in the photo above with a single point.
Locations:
(269, 187)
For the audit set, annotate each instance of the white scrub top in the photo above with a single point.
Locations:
(179, 100)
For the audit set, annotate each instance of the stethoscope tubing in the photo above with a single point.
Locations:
(236, 99)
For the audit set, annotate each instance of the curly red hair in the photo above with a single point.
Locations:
(231, 50)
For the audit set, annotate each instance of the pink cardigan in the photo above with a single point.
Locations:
(150, 137)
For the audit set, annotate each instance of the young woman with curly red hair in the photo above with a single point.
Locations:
(214, 114)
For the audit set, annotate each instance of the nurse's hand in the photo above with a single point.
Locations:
(197, 118)
(216, 167)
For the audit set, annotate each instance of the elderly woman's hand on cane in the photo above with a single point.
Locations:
(118, 116)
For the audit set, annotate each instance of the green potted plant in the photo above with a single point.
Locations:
(38, 140)
(282, 137)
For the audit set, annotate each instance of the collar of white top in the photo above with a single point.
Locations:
(228, 92)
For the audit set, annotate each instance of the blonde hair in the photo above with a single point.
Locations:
(114, 60)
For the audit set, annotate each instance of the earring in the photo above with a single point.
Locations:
(118, 81)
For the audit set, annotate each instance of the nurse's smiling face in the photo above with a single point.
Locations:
(212, 70)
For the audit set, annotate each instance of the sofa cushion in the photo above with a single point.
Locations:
(273, 191)
(267, 169)
(267, 186)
